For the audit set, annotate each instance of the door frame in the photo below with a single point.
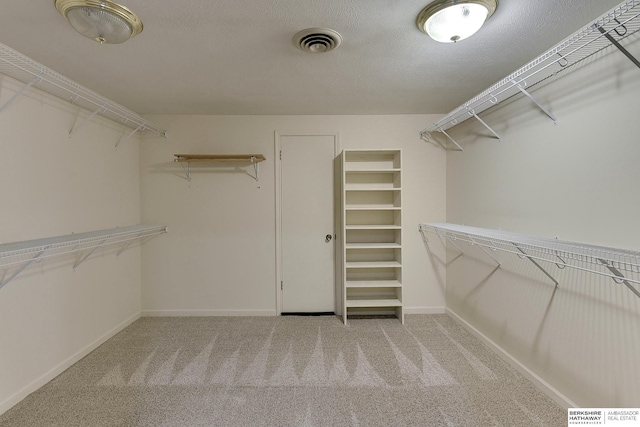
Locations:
(278, 186)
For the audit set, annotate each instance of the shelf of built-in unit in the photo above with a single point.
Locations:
(373, 246)
(355, 187)
(373, 227)
(374, 170)
(372, 189)
(373, 264)
(372, 208)
(366, 303)
(373, 284)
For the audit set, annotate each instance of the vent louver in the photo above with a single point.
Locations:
(317, 40)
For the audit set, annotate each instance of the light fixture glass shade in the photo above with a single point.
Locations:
(101, 20)
(449, 21)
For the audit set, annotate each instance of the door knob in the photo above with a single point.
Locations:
(328, 238)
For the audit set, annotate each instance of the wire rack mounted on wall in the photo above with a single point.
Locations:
(32, 73)
(609, 30)
(22, 254)
(623, 266)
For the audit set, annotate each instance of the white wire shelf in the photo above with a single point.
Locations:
(32, 73)
(601, 260)
(22, 254)
(613, 27)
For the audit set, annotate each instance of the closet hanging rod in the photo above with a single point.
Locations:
(618, 24)
(32, 73)
(579, 256)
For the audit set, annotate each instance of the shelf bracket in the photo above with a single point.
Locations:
(619, 277)
(456, 246)
(536, 264)
(126, 138)
(21, 269)
(451, 139)
(126, 245)
(77, 264)
(22, 90)
(256, 168)
(473, 113)
(187, 170)
(84, 122)
(619, 46)
(540, 106)
(473, 242)
(426, 137)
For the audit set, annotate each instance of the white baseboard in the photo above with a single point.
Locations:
(42, 380)
(212, 313)
(544, 386)
(424, 310)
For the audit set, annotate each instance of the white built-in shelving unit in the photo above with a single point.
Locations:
(371, 219)
(621, 265)
(17, 256)
(33, 74)
(612, 29)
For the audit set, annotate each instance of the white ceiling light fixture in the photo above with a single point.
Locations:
(449, 21)
(101, 20)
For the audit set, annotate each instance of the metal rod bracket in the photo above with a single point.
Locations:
(537, 265)
(85, 121)
(485, 251)
(77, 264)
(19, 93)
(619, 275)
(473, 113)
(451, 139)
(540, 106)
(618, 45)
(21, 269)
(126, 138)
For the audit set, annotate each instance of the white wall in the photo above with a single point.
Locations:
(219, 256)
(52, 185)
(578, 181)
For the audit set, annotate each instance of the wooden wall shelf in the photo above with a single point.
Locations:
(254, 159)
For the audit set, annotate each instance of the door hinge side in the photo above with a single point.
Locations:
(280, 154)
(281, 285)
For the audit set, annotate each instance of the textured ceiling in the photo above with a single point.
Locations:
(236, 57)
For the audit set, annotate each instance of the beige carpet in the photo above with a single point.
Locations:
(289, 371)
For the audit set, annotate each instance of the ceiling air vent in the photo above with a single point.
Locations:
(317, 40)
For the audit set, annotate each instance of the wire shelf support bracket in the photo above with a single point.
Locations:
(621, 265)
(520, 87)
(32, 73)
(22, 254)
(473, 113)
(541, 268)
(485, 251)
(621, 278)
(19, 93)
(609, 30)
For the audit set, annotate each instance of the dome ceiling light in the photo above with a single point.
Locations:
(449, 21)
(101, 20)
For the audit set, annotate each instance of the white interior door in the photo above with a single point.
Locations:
(307, 223)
